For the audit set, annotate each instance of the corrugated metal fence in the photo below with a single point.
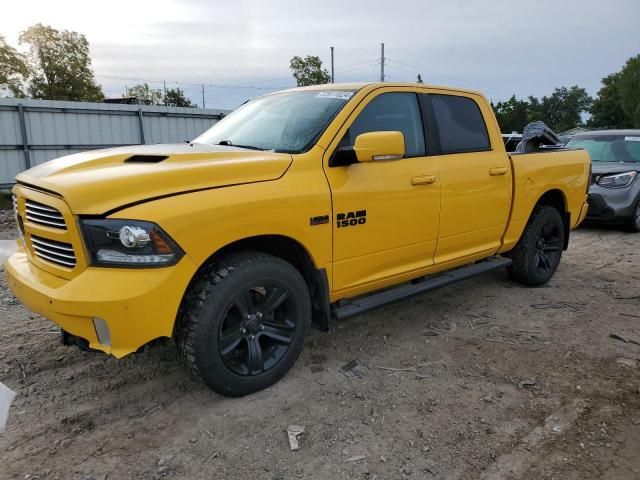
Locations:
(34, 131)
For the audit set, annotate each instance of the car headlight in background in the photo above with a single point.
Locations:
(619, 180)
(130, 243)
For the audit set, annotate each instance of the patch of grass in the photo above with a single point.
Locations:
(5, 201)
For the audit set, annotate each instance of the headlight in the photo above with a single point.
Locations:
(619, 180)
(130, 243)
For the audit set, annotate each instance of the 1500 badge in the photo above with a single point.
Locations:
(351, 219)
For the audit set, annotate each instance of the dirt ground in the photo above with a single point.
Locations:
(481, 380)
(8, 229)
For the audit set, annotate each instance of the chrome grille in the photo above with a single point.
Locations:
(54, 252)
(44, 215)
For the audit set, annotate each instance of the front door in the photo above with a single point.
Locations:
(385, 213)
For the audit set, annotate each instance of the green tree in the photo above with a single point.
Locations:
(145, 94)
(13, 69)
(512, 114)
(562, 110)
(175, 97)
(618, 102)
(308, 71)
(629, 87)
(534, 110)
(60, 65)
(607, 111)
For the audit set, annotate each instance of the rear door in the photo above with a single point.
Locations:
(385, 213)
(475, 176)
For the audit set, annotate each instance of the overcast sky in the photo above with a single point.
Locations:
(500, 47)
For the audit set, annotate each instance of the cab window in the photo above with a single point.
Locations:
(460, 125)
(396, 111)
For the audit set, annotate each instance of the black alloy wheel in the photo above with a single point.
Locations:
(258, 328)
(548, 247)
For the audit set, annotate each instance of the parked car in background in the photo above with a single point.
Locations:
(511, 141)
(614, 195)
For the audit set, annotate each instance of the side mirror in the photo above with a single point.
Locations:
(372, 146)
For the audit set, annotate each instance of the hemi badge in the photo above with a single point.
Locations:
(319, 220)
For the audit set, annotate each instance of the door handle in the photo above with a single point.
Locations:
(423, 180)
(494, 172)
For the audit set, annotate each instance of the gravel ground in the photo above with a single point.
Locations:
(483, 379)
(8, 229)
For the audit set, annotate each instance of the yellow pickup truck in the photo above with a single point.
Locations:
(301, 207)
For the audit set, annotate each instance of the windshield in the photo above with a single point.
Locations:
(285, 122)
(609, 148)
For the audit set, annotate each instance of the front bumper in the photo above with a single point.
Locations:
(613, 204)
(137, 305)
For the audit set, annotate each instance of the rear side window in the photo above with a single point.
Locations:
(461, 127)
(396, 111)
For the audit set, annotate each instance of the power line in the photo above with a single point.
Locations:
(191, 84)
(373, 60)
(417, 69)
(362, 67)
(253, 86)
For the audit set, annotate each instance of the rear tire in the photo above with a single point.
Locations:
(242, 323)
(537, 254)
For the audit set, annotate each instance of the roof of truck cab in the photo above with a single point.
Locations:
(374, 85)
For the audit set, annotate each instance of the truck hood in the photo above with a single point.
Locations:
(602, 168)
(99, 181)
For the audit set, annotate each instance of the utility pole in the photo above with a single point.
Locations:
(203, 105)
(382, 63)
(333, 80)
(164, 92)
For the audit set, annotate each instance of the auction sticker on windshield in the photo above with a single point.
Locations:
(632, 139)
(335, 94)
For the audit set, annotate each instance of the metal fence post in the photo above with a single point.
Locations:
(25, 139)
(141, 123)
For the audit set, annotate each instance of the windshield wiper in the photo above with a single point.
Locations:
(227, 143)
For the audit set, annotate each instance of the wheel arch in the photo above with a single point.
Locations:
(557, 199)
(293, 252)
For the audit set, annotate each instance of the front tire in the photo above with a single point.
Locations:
(633, 224)
(242, 323)
(537, 254)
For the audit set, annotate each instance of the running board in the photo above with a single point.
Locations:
(369, 302)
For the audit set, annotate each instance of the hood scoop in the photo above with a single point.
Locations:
(146, 158)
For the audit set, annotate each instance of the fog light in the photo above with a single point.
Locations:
(102, 331)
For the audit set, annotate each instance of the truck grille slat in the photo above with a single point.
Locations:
(44, 251)
(37, 206)
(44, 215)
(45, 222)
(53, 251)
(46, 243)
